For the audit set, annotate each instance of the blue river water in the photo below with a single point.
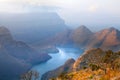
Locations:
(58, 59)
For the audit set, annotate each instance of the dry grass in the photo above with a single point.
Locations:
(92, 75)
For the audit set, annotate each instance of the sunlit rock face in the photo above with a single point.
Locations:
(105, 39)
(89, 56)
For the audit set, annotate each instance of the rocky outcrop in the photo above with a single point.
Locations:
(93, 56)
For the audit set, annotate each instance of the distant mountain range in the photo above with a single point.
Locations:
(16, 57)
(82, 37)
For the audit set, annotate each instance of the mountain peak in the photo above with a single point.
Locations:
(109, 30)
(5, 34)
(83, 27)
(80, 35)
(3, 30)
(112, 28)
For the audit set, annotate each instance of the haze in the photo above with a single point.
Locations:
(95, 14)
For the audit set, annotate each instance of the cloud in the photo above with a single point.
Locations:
(93, 8)
(19, 6)
(72, 11)
(39, 8)
(12, 5)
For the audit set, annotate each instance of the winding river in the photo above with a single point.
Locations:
(58, 59)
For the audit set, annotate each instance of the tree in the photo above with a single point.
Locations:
(31, 75)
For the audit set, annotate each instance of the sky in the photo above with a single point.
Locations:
(93, 13)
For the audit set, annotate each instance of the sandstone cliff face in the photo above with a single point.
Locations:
(112, 40)
(105, 39)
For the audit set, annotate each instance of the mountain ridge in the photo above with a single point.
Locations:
(82, 37)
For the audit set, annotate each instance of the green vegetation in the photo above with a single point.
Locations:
(94, 67)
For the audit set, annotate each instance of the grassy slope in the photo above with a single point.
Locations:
(108, 68)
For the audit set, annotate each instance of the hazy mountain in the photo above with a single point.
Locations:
(60, 39)
(80, 36)
(16, 57)
(33, 27)
(11, 67)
